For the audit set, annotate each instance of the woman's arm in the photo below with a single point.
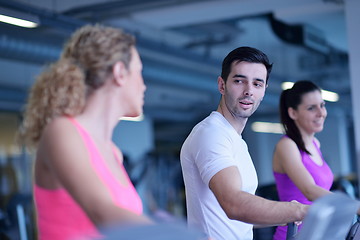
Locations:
(65, 154)
(287, 159)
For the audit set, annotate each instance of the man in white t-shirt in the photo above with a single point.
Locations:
(219, 175)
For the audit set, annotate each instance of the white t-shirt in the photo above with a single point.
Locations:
(213, 145)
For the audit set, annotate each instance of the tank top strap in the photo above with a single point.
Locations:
(96, 159)
(318, 149)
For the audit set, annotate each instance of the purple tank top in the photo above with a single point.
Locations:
(288, 191)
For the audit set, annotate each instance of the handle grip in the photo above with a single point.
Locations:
(291, 231)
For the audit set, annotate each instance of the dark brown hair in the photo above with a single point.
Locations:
(291, 98)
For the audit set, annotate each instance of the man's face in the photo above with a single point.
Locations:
(244, 88)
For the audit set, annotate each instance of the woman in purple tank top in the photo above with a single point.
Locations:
(300, 171)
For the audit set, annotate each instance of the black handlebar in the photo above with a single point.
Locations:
(291, 231)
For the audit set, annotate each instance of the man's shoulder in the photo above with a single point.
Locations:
(210, 126)
(214, 121)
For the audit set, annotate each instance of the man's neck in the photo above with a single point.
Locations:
(237, 123)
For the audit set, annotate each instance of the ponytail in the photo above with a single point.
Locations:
(289, 99)
(59, 90)
(85, 65)
(283, 109)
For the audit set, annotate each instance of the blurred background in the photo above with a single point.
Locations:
(182, 44)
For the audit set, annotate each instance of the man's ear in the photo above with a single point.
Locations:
(221, 85)
(292, 113)
(120, 72)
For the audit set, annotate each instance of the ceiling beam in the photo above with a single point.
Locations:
(212, 11)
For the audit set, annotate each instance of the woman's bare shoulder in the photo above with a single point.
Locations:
(58, 123)
(55, 141)
(58, 135)
(284, 148)
(285, 143)
(59, 127)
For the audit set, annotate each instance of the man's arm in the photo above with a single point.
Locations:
(239, 205)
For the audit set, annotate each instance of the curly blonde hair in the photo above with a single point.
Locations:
(62, 88)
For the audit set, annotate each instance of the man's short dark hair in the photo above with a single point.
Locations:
(246, 54)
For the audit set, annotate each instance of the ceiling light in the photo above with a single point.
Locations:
(286, 85)
(327, 95)
(133, 119)
(18, 18)
(330, 96)
(267, 127)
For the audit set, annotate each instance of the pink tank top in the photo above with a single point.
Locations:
(61, 218)
(288, 191)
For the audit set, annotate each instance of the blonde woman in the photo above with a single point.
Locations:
(80, 183)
